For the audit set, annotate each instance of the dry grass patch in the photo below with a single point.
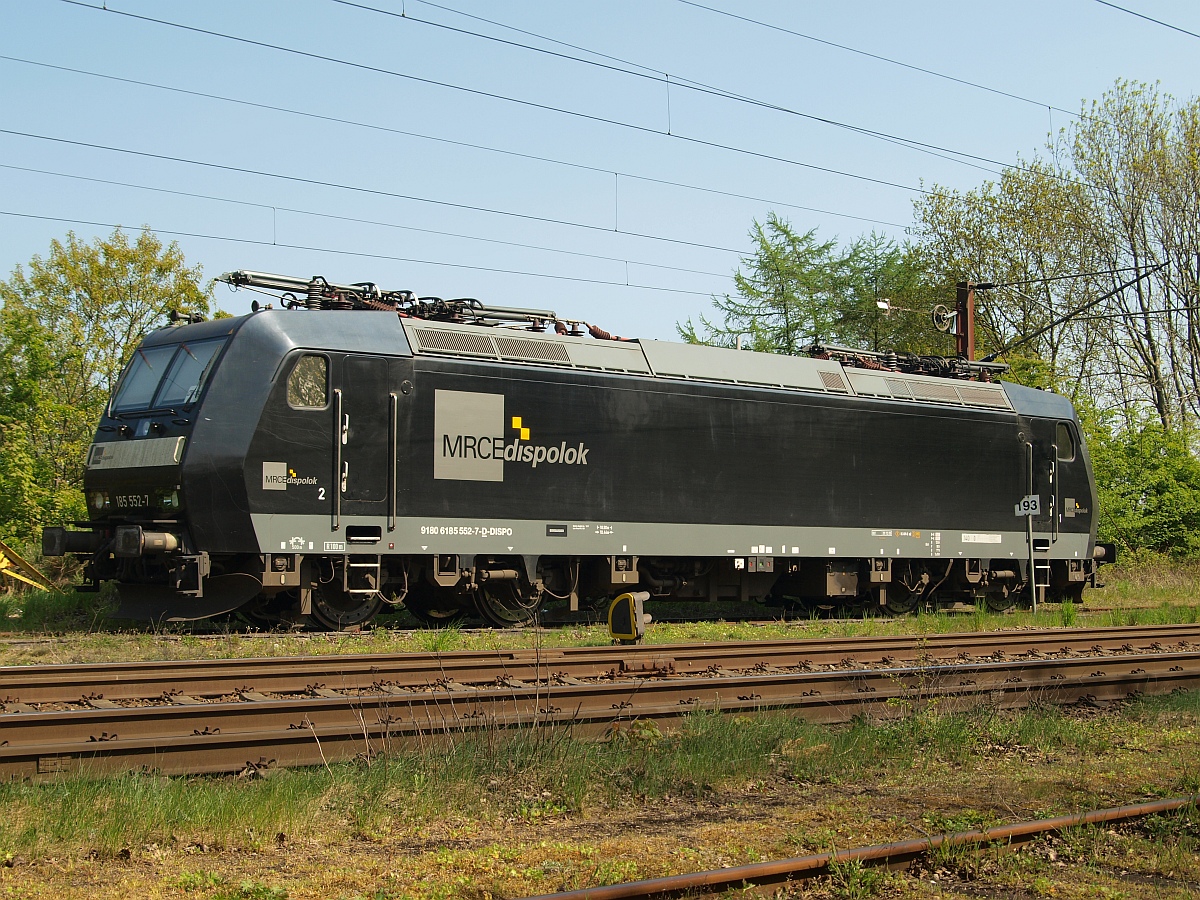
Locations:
(509, 815)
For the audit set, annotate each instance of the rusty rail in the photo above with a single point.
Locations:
(894, 855)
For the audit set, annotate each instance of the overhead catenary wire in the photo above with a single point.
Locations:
(1148, 18)
(379, 192)
(1066, 318)
(988, 285)
(937, 150)
(442, 140)
(358, 220)
(668, 80)
(358, 253)
(958, 156)
(531, 104)
(879, 57)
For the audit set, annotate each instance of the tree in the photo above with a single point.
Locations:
(1148, 484)
(68, 324)
(1117, 194)
(796, 290)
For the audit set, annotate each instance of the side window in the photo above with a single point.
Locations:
(1065, 438)
(308, 385)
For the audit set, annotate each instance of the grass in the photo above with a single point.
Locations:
(513, 813)
(73, 627)
(526, 812)
(539, 774)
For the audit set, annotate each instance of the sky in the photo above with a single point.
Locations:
(603, 160)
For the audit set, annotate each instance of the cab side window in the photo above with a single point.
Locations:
(308, 383)
(1065, 438)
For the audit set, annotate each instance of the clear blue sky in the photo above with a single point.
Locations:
(677, 245)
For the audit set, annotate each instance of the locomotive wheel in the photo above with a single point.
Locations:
(901, 605)
(436, 608)
(503, 605)
(333, 609)
(266, 612)
(998, 603)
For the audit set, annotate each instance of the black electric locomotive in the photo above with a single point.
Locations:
(360, 447)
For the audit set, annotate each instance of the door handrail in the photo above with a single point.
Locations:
(336, 490)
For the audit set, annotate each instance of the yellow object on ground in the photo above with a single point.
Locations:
(13, 566)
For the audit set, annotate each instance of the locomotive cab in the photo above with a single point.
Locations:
(137, 530)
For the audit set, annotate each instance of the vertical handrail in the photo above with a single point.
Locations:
(393, 452)
(1029, 527)
(1054, 513)
(337, 461)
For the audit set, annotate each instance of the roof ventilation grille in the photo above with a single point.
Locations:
(434, 339)
(528, 348)
(833, 381)
(984, 397)
(927, 391)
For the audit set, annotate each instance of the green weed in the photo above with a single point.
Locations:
(851, 881)
(536, 773)
(251, 890)
(440, 640)
(197, 881)
(1067, 614)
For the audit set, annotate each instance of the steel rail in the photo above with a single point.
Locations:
(194, 736)
(895, 855)
(40, 684)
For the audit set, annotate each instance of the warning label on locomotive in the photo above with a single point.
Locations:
(969, 538)
(472, 439)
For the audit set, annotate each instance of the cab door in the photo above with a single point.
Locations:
(1042, 478)
(364, 443)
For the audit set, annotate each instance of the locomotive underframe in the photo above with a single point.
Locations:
(346, 590)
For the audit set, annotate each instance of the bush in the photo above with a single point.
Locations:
(1148, 485)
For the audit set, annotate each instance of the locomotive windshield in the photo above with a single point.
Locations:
(164, 376)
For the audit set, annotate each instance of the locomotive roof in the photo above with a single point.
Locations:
(694, 362)
(380, 333)
(385, 334)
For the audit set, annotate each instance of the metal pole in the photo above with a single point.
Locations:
(1029, 529)
(964, 322)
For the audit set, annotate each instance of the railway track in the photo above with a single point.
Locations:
(227, 715)
(897, 855)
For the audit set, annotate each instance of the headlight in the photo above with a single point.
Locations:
(98, 500)
(169, 500)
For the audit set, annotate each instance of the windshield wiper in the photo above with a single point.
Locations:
(139, 413)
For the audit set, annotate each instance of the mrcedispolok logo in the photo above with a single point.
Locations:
(472, 442)
(277, 476)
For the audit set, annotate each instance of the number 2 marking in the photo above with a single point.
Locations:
(320, 493)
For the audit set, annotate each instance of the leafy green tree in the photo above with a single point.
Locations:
(1116, 192)
(68, 324)
(890, 296)
(786, 294)
(1148, 484)
(796, 290)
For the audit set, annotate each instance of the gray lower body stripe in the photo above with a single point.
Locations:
(312, 534)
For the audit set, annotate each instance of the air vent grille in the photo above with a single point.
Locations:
(833, 381)
(984, 396)
(527, 348)
(928, 391)
(455, 342)
(898, 387)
